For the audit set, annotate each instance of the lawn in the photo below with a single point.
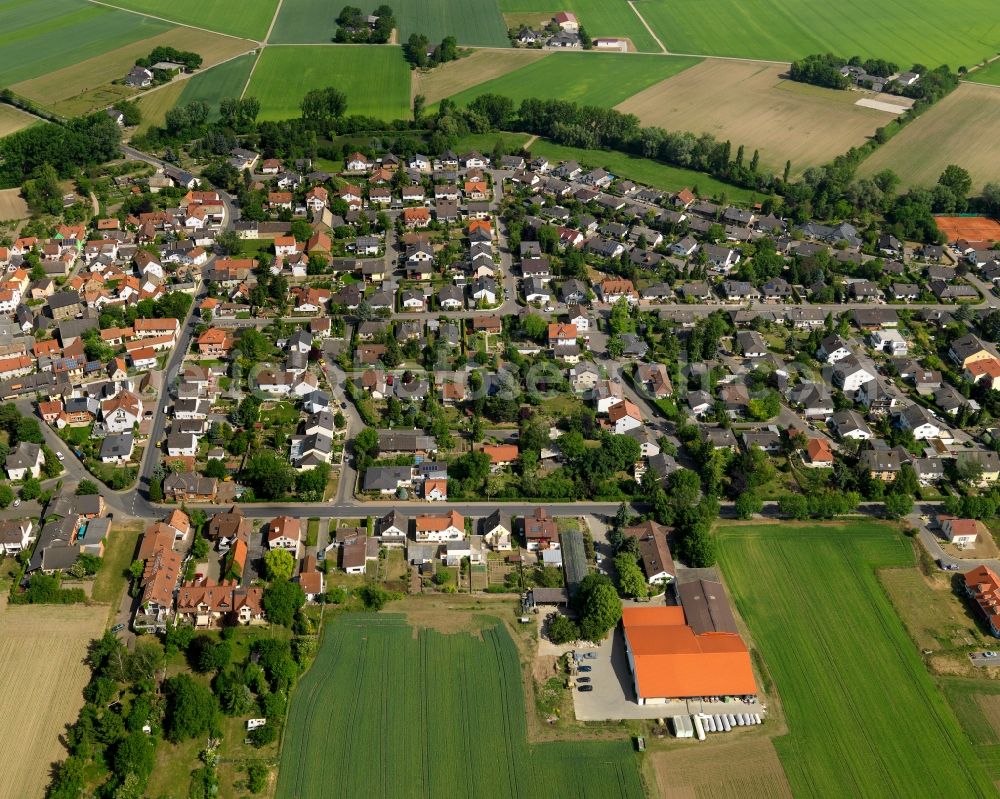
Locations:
(579, 78)
(42, 36)
(376, 80)
(977, 705)
(960, 129)
(925, 31)
(113, 575)
(431, 714)
(864, 716)
(644, 170)
(601, 18)
(214, 85)
(749, 103)
(988, 74)
(248, 18)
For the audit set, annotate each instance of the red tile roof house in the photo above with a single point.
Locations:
(983, 586)
(540, 530)
(284, 532)
(962, 532)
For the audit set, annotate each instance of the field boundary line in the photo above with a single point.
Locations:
(645, 24)
(164, 19)
(978, 83)
(253, 69)
(274, 19)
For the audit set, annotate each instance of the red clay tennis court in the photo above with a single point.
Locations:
(970, 228)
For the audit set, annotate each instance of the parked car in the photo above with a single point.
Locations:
(583, 679)
(118, 628)
(586, 668)
(585, 688)
(989, 654)
(590, 655)
(60, 456)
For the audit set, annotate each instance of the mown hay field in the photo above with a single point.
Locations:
(739, 766)
(42, 650)
(960, 129)
(86, 86)
(384, 711)
(750, 104)
(925, 31)
(42, 36)
(601, 18)
(864, 717)
(478, 67)
(375, 79)
(601, 79)
(12, 205)
(245, 19)
(13, 120)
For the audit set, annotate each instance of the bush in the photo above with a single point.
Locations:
(262, 736)
(257, 775)
(562, 629)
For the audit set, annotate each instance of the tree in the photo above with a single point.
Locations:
(957, 179)
(747, 504)
(216, 468)
(6, 495)
(87, 488)
(793, 506)
(282, 600)
(134, 754)
(698, 548)
(599, 606)
(31, 488)
(562, 629)
(631, 580)
(279, 564)
(323, 105)
(268, 474)
(898, 505)
(365, 448)
(419, 103)
(191, 708)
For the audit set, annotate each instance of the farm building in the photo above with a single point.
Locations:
(670, 661)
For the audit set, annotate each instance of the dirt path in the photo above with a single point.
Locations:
(274, 19)
(529, 142)
(645, 24)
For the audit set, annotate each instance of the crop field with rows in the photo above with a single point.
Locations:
(386, 713)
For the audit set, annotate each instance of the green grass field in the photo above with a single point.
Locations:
(925, 31)
(988, 74)
(475, 22)
(41, 36)
(968, 698)
(472, 22)
(602, 79)
(305, 22)
(376, 80)
(864, 717)
(384, 712)
(601, 18)
(212, 85)
(644, 170)
(247, 19)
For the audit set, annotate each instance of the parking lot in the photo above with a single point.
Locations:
(986, 658)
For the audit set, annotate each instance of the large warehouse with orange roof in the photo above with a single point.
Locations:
(670, 661)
